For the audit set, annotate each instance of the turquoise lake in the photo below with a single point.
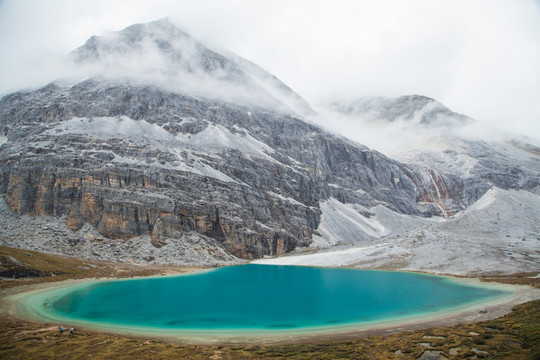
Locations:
(263, 297)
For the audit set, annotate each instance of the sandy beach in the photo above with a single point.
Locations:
(25, 303)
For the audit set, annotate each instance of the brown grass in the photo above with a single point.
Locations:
(57, 268)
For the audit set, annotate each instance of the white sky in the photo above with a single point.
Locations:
(478, 57)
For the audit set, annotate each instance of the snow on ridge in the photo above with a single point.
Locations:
(3, 140)
(345, 224)
(214, 136)
(111, 127)
(218, 136)
(354, 224)
(196, 167)
(142, 132)
(285, 198)
(485, 201)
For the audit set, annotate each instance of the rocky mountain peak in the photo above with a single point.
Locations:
(157, 45)
(414, 109)
(162, 32)
(162, 29)
(161, 54)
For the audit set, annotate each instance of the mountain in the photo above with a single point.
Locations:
(434, 137)
(163, 150)
(160, 53)
(131, 159)
(498, 234)
(415, 109)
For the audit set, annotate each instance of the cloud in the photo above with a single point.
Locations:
(479, 58)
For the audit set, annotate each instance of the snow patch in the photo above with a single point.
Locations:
(346, 224)
(3, 140)
(342, 257)
(206, 170)
(285, 198)
(113, 127)
(218, 136)
(447, 154)
(485, 201)
(214, 136)
(142, 132)
(354, 224)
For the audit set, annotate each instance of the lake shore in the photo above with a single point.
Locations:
(16, 303)
(515, 335)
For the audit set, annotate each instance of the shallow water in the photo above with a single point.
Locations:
(264, 297)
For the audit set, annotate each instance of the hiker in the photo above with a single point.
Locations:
(60, 329)
(72, 331)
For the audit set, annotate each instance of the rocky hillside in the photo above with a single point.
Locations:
(168, 140)
(132, 159)
(434, 137)
(498, 234)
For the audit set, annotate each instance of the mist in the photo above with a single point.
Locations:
(479, 58)
(160, 54)
(402, 129)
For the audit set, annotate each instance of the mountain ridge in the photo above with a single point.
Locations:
(180, 166)
(169, 57)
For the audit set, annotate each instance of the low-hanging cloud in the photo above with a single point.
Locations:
(479, 58)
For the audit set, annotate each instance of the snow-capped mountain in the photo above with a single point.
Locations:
(162, 54)
(425, 134)
(168, 146)
(416, 109)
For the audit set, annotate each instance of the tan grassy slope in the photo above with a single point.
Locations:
(514, 336)
(30, 267)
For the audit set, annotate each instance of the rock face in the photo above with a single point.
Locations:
(165, 158)
(132, 160)
(447, 143)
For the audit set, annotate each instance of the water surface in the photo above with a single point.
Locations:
(263, 297)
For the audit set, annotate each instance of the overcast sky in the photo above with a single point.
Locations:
(478, 57)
